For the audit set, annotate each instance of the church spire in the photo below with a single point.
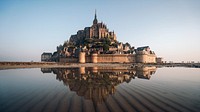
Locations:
(95, 14)
(95, 21)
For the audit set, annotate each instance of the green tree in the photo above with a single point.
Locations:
(105, 47)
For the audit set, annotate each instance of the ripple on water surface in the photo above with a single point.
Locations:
(103, 90)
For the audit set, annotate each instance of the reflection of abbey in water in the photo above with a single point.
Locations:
(97, 83)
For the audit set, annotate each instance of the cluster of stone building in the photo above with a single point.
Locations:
(96, 44)
(96, 31)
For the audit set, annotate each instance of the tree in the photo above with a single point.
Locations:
(105, 47)
(106, 41)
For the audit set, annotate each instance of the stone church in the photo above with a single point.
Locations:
(96, 31)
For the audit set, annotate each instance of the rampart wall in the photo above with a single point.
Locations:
(111, 58)
(116, 58)
(69, 60)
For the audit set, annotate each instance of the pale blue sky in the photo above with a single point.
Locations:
(170, 27)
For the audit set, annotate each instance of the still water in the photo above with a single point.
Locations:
(102, 90)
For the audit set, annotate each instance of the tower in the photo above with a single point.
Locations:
(95, 21)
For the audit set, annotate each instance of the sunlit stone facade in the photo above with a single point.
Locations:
(96, 31)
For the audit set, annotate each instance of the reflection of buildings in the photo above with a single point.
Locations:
(95, 83)
(145, 72)
(46, 70)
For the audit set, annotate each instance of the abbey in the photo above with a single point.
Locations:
(96, 31)
(96, 44)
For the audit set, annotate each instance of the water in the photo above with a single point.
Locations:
(97, 89)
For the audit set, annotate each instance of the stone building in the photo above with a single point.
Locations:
(142, 55)
(96, 31)
(145, 55)
(46, 56)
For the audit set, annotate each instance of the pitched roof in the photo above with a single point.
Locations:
(142, 48)
(45, 53)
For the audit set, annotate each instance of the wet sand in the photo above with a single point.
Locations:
(15, 65)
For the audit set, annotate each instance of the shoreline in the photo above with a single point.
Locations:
(16, 65)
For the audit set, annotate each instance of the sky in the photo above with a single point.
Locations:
(30, 27)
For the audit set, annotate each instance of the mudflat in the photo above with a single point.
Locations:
(14, 65)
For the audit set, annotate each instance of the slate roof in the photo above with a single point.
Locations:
(142, 48)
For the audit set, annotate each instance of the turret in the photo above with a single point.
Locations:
(94, 58)
(82, 57)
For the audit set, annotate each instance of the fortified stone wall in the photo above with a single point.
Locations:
(107, 58)
(111, 58)
(88, 59)
(145, 58)
(69, 60)
(116, 58)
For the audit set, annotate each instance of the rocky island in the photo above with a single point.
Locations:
(96, 44)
